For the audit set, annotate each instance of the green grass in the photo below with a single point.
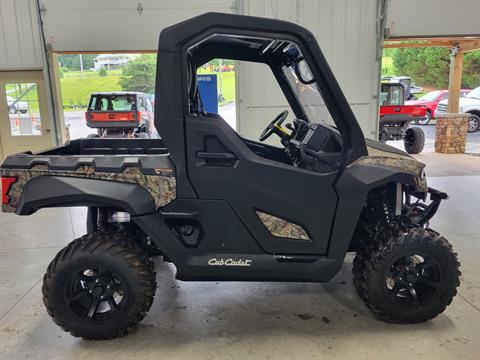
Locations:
(76, 91)
(228, 84)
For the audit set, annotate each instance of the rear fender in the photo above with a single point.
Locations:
(59, 191)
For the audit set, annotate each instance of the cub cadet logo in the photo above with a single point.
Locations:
(229, 262)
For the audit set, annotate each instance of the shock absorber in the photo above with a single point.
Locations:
(388, 212)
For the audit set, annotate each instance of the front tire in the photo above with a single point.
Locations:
(408, 277)
(414, 141)
(100, 286)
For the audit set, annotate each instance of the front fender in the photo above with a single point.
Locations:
(352, 188)
(60, 191)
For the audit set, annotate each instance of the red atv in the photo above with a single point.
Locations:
(395, 118)
(120, 114)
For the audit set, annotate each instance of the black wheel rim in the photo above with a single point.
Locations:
(413, 279)
(409, 139)
(95, 294)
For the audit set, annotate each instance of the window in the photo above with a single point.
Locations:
(112, 102)
(148, 105)
(23, 108)
(141, 104)
(270, 83)
(263, 101)
(391, 95)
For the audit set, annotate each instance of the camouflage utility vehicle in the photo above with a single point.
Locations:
(219, 206)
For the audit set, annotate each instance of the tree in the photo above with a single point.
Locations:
(431, 66)
(139, 74)
(72, 61)
(427, 66)
(471, 70)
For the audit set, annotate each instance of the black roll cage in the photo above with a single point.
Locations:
(173, 67)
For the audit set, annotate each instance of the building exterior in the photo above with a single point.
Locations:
(111, 61)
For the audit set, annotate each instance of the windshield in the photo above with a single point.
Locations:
(431, 96)
(111, 102)
(475, 93)
(308, 95)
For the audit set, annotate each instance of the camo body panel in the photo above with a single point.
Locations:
(282, 228)
(396, 162)
(162, 186)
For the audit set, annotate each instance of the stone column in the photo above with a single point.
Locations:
(451, 133)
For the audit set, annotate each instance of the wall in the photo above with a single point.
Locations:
(347, 34)
(112, 25)
(19, 36)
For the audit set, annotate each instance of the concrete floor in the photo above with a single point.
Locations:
(247, 320)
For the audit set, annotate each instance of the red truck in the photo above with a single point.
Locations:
(395, 118)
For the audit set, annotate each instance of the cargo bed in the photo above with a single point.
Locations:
(143, 162)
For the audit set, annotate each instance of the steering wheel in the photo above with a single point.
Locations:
(275, 127)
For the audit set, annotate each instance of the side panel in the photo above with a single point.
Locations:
(221, 166)
(226, 252)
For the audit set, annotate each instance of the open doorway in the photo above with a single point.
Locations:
(84, 77)
(422, 67)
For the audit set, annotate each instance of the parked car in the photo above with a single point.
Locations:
(395, 118)
(430, 100)
(120, 114)
(469, 104)
(410, 87)
(15, 106)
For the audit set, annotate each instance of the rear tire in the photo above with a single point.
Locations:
(100, 286)
(407, 277)
(473, 123)
(414, 140)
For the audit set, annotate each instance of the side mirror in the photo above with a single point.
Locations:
(303, 72)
